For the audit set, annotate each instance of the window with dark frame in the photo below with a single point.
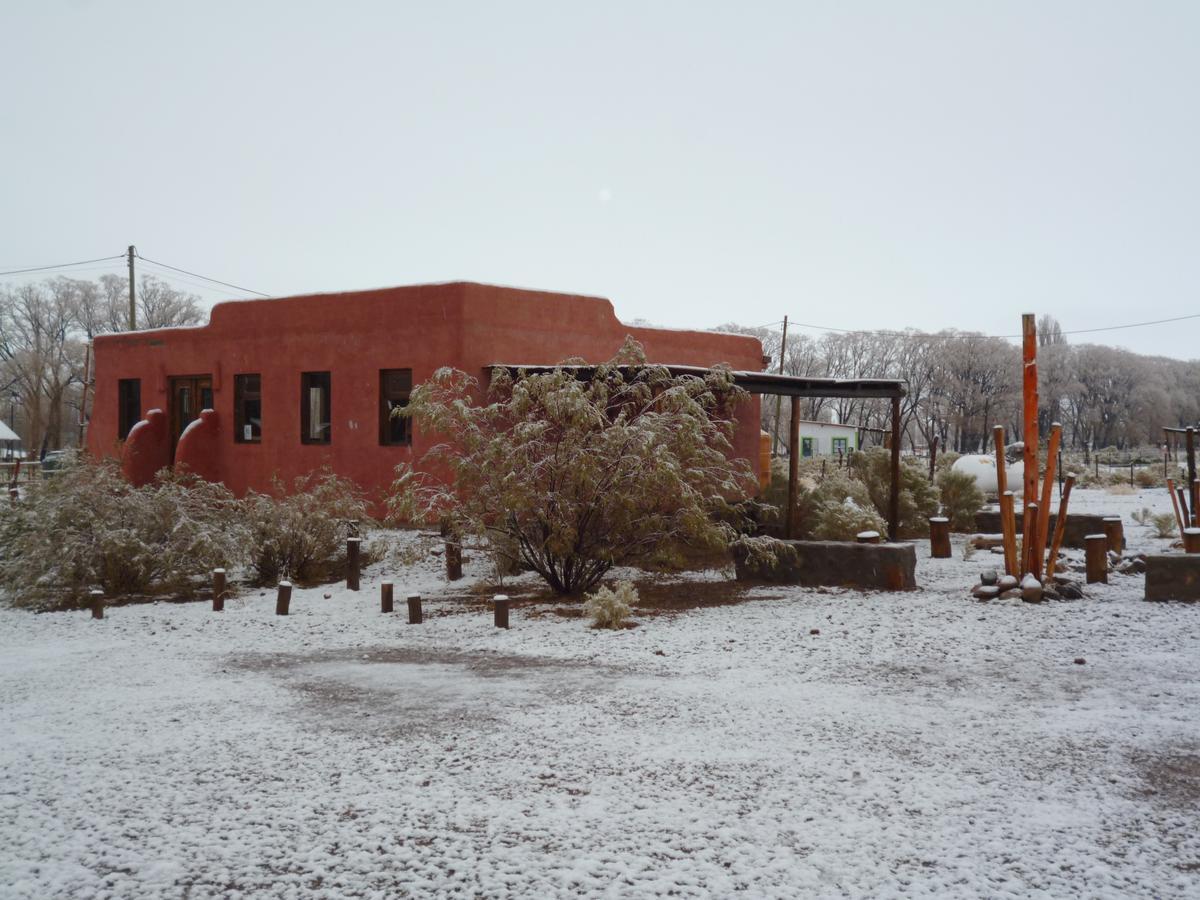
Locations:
(315, 422)
(247, 409)
(395, 385)
(129, 405)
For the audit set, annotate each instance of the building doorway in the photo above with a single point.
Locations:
(189, 395)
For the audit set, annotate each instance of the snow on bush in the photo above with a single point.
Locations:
(301, 536)
(610, 607)
(918, 498)
(961, 499)
(87, 527)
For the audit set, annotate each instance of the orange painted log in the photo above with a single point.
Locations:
(1030, 406)
(1047, 488)
(1175, 504)
(1060, 528)
(1008, 529)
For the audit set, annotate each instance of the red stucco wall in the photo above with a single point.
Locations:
(353, 336)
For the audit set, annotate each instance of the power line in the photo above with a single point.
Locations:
(980, 337)
(204, 277)
(82, 262)
(178, 280)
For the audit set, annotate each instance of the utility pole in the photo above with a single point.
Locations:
(779, 397)
(132, 295)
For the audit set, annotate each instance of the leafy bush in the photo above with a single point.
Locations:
(302, 536)
(961, 499)
(918, 498)
(609, 608)
(88, 528)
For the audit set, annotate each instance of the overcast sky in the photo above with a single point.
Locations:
(855, 165)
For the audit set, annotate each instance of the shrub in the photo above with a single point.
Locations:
(961, 499)
(631, 467)
(609, 608)
(88, 528)
(302, 536)
(1163, 525)
(918, 498)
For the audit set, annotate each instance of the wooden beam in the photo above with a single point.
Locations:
(793, 512)
(1060, 527)
(1047, 488)
(894, 496)
(1191, 469)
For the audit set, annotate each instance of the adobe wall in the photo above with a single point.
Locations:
(354, 335)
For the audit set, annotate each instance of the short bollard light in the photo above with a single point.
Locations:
(501, 603)
(97, 604)
(414, 609)
(283, 600)
(385, 597)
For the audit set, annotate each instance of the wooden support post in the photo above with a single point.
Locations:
(1190, 448)
(1196, 502)
(894, 495)
(96, 602)
(933, 457)
(939, 537)
(1191, 540)
(1060, 528)
(1031, 554)
(1001, 471)
(386, 604)
(1181, 494)
(283, 600)
(1096, 558)
(1030, 401)
(414, 610)
(501, 614)
(1047, 488)
(353, 546)
(218, 590)
(792, 522)
(1114, 531)
(1008, 528)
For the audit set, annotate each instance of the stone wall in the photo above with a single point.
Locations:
(880, 567)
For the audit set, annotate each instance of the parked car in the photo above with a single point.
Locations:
(57, 460)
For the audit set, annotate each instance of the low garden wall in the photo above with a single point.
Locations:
(1173, 576)
(879, 567)
(1078, 527)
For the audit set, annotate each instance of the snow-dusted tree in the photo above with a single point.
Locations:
(633, 466)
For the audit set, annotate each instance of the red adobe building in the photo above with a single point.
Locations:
(289, 385)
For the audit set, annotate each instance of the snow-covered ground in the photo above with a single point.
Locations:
(919, 744)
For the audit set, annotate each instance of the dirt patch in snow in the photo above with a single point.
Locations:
(1171, 776)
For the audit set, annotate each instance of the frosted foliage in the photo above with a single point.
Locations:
(301, 535)
(633, 467)
(610, 607)
(87, 528)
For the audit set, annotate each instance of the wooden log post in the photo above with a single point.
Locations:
(1190, 448)
(1008, 528)
(501, 610)
(1060, 528)
(792, 522)
(414, 610)
(353, 558)
(1175, 505)
(894, 493)
(283, 600)
(386, 604)
(1047, 489)
(1114, 531)
(1181, 495)
(1030, 401)
(96, 603)
(453, 559)
(1001, 471)
(218, 590)
(867, 537)
(933, 457)
(1196, 502)
(1191, 540)
(1031, 554)
(939, 537)
(1096, 558)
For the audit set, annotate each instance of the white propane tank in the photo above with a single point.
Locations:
(983, 470)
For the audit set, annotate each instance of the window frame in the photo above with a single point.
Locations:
(309, 380)
(240, 420)
(124, 424)
(841, 444)
(808, 447)
(386, 421)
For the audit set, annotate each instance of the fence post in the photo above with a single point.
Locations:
(385, 597)
(97, 604)
(453, 559)
(939, 537)
(414, 610)
(218, 590)
(284, 599)
(501, 603)
(1096, 558)
(352, 549)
